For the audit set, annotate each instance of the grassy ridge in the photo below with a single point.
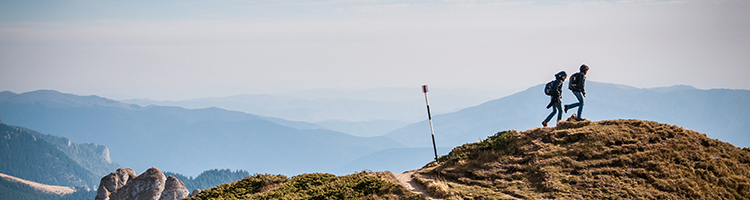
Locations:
(362, 185)
(614, 159)
(599, 160)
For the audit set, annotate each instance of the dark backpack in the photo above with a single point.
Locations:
(575, 81)
(549, 87)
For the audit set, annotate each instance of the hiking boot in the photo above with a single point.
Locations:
(566, 108)
(544, 123)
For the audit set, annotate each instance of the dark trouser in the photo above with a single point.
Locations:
(556, 108)
(579, 96)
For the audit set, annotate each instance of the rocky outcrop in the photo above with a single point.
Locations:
(123, 184)
(113, 182)
(174, 189)
(195, 192)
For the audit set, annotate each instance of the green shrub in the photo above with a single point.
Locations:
(500, 140)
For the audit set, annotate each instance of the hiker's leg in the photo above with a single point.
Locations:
(576, 104)
(558, 106)
(579, 96)
(549, 117)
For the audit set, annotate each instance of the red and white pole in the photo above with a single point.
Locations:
(429, 116)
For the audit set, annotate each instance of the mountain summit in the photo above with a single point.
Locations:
(593, 160)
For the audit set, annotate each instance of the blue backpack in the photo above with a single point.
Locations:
(548, 88)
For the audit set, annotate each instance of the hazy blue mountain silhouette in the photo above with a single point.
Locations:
(184, 140)
(364, 129)
(396, 160)
(373, 112)
(310, 110)
(719, 113)
(191, 140)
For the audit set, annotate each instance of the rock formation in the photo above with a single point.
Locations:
(113, 182)
(195, 192)
(174, 189)
(123, 184)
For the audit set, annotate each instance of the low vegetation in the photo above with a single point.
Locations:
(209, 178)
(362, 185)
(615, 159)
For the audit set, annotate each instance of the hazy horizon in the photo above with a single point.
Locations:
(178, 50)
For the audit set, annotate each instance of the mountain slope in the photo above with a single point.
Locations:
(25, 154)
(93, 157)
(20, 189)
(188, 141)
(720, 112)
(58, 190)
(594, 160)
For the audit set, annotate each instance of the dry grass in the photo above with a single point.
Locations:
(616, 159)
(362, 185)
(53, 189)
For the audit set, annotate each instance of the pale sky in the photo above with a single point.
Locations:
(176, 50)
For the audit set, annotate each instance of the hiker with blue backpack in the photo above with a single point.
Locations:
(576, 85)
(554, 90)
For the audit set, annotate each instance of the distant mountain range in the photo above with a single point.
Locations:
(719, 113)
(373, 112)
(188, 141)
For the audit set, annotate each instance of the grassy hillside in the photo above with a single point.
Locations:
(363, 185)
(593, 160)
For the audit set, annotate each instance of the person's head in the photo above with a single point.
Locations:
(561, 75)
(584, 69)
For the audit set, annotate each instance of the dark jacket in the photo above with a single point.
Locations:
(556, 92)
(577, 83)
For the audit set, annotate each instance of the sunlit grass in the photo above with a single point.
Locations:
(596, 160)
(362, 185)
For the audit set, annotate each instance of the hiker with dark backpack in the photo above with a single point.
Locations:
(576, 85)
(554, 90)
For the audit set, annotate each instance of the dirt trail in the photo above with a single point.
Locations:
(406, 180)
(60, 190)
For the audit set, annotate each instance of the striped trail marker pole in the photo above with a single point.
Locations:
(429, 116)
